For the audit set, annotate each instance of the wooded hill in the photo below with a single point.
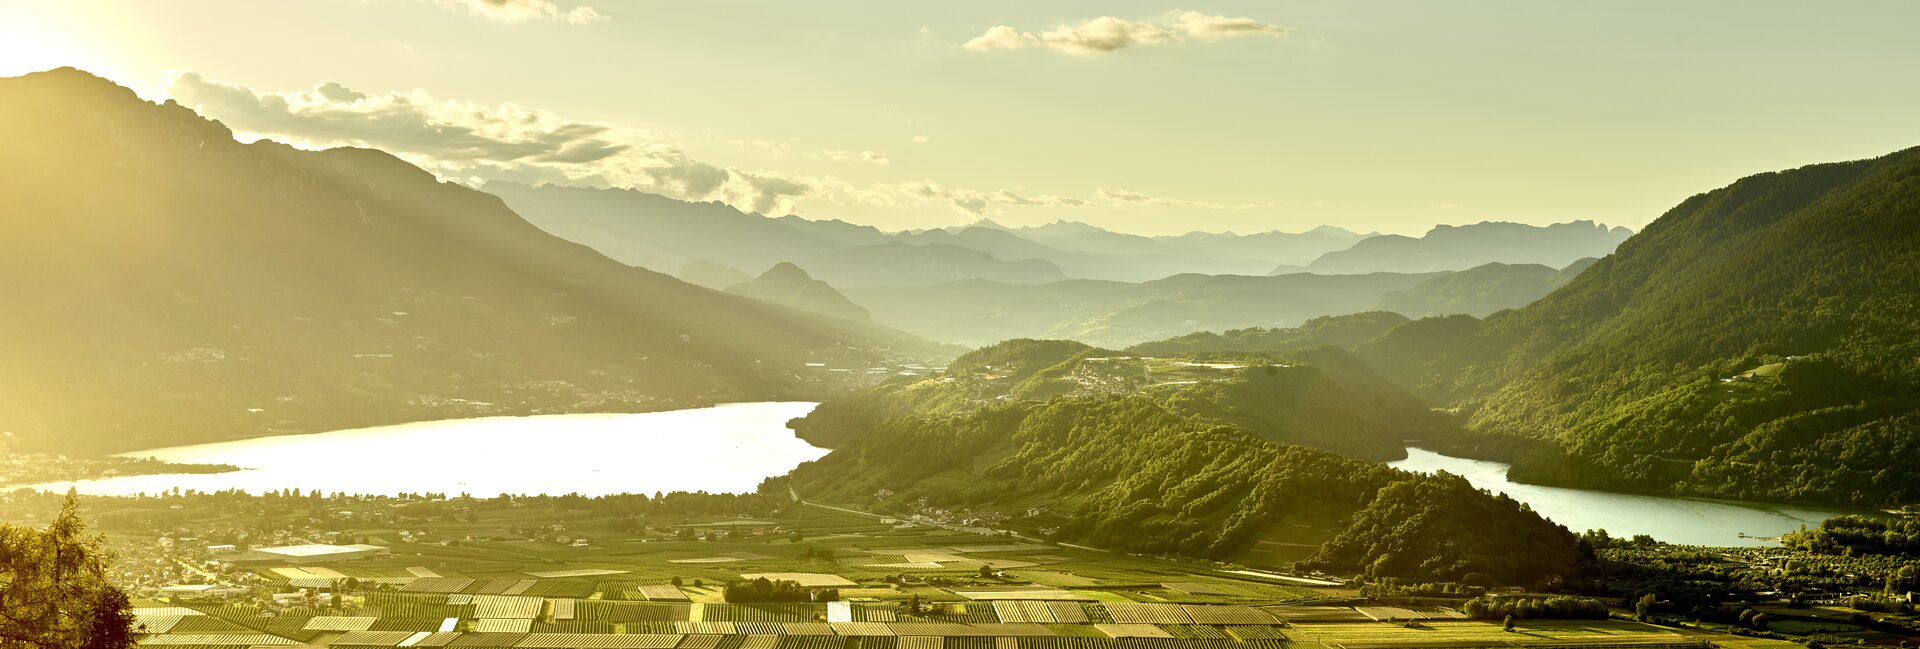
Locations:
(1136, 473)
(1757, 341)
(166, 284)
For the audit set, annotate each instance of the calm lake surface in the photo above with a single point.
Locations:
(728, 448)
(1674, 520)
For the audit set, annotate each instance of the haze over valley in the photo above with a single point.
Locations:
(565, 324)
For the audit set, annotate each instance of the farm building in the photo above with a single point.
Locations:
(315, 553)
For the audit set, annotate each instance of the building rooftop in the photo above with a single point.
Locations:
(314, 550)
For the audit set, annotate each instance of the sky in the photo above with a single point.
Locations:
(1154, 117)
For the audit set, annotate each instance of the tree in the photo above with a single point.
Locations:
(1645, 606)
(986, 572)
(1507, 624)
(54, 592)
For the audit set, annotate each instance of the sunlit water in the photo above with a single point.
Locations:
(1689, 521)
(728, 448)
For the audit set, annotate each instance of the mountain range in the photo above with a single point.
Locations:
(168, 284)
(1449, 247)
(667, 235)
(1118, 314)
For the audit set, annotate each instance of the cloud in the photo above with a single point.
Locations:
(459, 139)
(920, 139)
(978, 203)
(520, 11)
(874, 157)
(1125, 198)
(475, 142)
(1109, 34)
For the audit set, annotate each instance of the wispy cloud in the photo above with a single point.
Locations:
(874, 157)
(467, 140)
(979, 203)
(470, 142)
(520, 11)
(1110, 34)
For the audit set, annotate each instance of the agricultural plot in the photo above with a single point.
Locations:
(604, 611)
(807, 579)
(704, 628)
(221, 640)
(1480, 634)
(401, 605)
(503, 625)
(762, 612)
(1024, 611)
(437, 585)
(1127, 630)
(1224, 615)
(1402, 614)
(372, 638)
(507, 606)
(340, 623)
(858, 629)
(1047, 594)
(584, 572)
(1054, 578)
(806, 628)
(1308, 614)
(702, 641)
(588, 641)
(661, 593)
(1148, 614)
(1193, 588)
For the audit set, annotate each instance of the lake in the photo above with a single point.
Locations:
(728, 448)
(1692, 521)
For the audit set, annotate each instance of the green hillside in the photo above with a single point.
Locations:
(167, 284)
(1757, 341)
(1131, 473)
(1321, 397)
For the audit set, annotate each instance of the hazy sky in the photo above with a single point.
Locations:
(1153, 117)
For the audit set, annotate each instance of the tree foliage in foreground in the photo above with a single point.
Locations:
(54, 592)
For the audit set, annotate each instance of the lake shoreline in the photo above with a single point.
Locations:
(1683, 520)
(727, 448)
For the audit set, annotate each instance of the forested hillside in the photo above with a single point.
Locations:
(1757, 341)
(1131, 473)
(166, 284)
(1482, 290)
(1319, 397)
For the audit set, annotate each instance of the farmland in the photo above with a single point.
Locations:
(521, 576)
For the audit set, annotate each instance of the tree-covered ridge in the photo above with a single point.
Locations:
(1130, 473)
(1861, 535)
(1321, 397)
(1757, 341)
(256, 289)
(1482, 290)
(1342, 331)
(1439, 528)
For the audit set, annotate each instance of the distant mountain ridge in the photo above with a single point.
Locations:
(787, 285)
(168, 284)
(664, 234)
(1118, 314)
(1448, 247)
